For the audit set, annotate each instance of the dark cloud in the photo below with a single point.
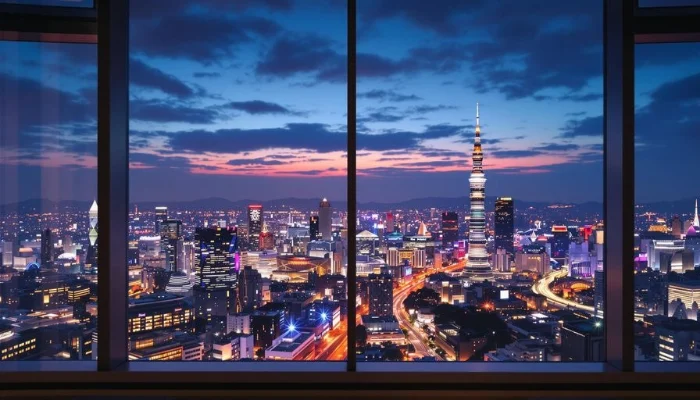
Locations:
(163, 111)
(428, 108)
(152, 160)
(254, 161)
(557, 147)
(582, 97)
(203, 38)
(206, 75)
(303, 54)
(256, 107)
(434, 164)
(315, 137)
(405, 140)
(387, 95)
(380, 117)
(514, 153)
(147, 9)
(589, 126)
(148, 77)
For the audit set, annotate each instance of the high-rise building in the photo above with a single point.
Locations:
(325, 212)
(390, 224)
(314, 232)
(46, 249)
(478, 268)
(450, 228)
(171, 242)
(598, 293)
(91, 256)
(249, 289)
(533, 258)
(266, 240)
(381, 294)
(161, 216)
(502, 260)
(560, 242)
(215, 275)
(582, 341)
(255, 224)
(503, 225)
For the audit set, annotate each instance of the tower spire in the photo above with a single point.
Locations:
(696, 220)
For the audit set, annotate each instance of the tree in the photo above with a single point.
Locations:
(361, 335)
(260, 353)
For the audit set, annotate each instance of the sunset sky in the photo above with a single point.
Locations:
(247, 99)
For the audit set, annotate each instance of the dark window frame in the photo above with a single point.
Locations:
(624, 25)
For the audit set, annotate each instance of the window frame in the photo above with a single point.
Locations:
(625, 24)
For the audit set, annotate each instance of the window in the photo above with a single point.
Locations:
(666, 242)
(60, 3)
(237, 222)
(480, 233)
(48, 213)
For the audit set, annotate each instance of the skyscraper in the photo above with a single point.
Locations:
(161, 216)
(560, 243)
(171, 242)
(314, 233)
(267, 239)
(91, 256)
(255, 224)
(381, 294)
(215, 275)
(504, 224)
(250, 289)
(450, 228)
(324, 219)
(46, 249)
(478, 268)
(390, 224)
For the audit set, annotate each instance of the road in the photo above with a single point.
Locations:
(542, 287)
(415, 335)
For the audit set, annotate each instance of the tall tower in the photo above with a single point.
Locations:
(255, 223)
(324, 219)
(91, 256)
(503, 224)
(478, 268)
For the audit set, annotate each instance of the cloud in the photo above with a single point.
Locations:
(148, 77)
(303, 54)
(428, 108)
(380, 117)
(164, 111)
(589, 126)
(316, 137)
(557, 147)
(256, 107)
(514, 153)
(405, 140)
(254, 161)
(206, 75)
(387, 95)
(149, 160)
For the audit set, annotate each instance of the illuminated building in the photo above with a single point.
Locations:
(266, 240)
(333, 287)
(532, 258)
(232, 347)
(560, 243)
(659, 248)
(165, 346)
(368, 265)
(529, 350)
(598, 293)
(503, 226)
(450, 289)
(161, 216)
(249, 289)
(266, 324)
(291, 345)
(314, 232)
(382, 329)
(460, 345)
(8, 252)
(381, 294)
(582, 341)
(330, 250)
(367, 242)
(502, 260)
(685, 294)
(179, 283)
(394, 239)
(46, 249)
(677, 340)
(324, 219)
(390, 223)
(171, 242)
(91, 256)
(477, 268)
(450, 228)
(215, 275)
(17, 346)
(255, 224)
(162, 311)
(293, 268)
(238, 323)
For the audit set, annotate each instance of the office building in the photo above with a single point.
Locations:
(582, 341)
(314, 228)
(266, 240)
(676, 227)
(161, 216)
(46, 249)
(502, 260)
(532, 258)
(238, 323)
(381, 294)
(325, 223)
(560, 243)
(161, 311)
(91, 255)
(266, 324)
(249, 289)
(504, 224)
(171, 243)
(478, 268)
(450, 228)
(686, 295)
(677, 340)
(390, 223)
(255, 225)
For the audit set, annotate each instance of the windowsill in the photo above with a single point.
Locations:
(245, 366)
(39, 366)
(493, 367)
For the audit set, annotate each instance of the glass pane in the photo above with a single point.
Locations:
(48, 214)
(238, 181)
(61, 3)
(667, 238)
(480, 180)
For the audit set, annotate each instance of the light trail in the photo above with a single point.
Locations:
(541, 287)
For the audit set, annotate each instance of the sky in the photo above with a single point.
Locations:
(247, 100)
